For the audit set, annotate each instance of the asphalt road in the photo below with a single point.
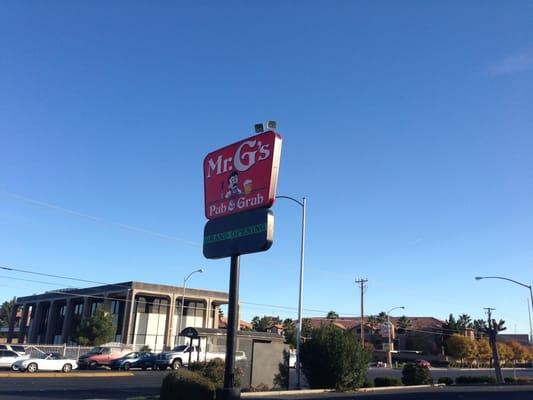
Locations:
(147, 383)
(437, 373)
(448, 393)
(142, 384)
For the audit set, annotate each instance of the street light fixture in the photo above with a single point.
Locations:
(302, 204)
(389, 352)
(200, 270)
(478, 278)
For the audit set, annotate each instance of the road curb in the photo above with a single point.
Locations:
(64, 375)
(286, 392)
(319, 391)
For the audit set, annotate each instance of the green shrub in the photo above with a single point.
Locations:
(333, 359)
(474, 379)
(185, 385)
(414, 374)
(446, 380)
(214, 371)
(368, 384)
(509, 379)
(281, 379)
(383, 381)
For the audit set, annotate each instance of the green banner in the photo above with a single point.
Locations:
(236, 233)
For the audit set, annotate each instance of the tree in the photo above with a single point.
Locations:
(518, 352)
(479, 326)
(505, 352)
(332, 315)
(403, 323)
(307, 328)
(382, 316)
(483, 351)
(492, 330)
(5, 312)
(97, 329)
(461, 347)
(289, 331)
(334, 358)
(464, 322)
(261, 324)
(372, 322)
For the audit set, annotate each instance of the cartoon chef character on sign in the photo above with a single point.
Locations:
(233, 185)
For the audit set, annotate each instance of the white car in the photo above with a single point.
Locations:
(17, 348)
(49, 362)
(8, 357)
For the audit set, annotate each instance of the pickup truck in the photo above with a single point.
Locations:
(179, 356)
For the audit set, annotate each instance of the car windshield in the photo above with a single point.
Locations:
(131, 355)
(180, 348)
(96, 350)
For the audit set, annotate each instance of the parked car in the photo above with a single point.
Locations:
(101, 355)
(49, 362)
(17, 348)
(142, 360)
(423, 363)
(179, 356)
(8, 357)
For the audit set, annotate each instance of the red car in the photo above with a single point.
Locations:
(423, 363)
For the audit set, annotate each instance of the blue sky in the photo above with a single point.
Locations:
(407, 125)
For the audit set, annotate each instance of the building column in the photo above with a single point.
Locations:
(207, 311)
(12, 319)
(23, 323)
(69, 309)
(51, 323)
(172, 311)
(32, 337)
(167, 321)
(86, 307)
(128, 326)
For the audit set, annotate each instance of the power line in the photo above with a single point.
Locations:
(100, 220)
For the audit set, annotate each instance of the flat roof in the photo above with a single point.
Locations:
(122, 287)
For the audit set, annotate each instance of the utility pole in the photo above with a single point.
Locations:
(489, 311)
(493, 330)
(361, 283)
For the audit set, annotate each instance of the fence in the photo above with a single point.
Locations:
(72, 352)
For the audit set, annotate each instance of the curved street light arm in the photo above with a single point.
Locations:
(395, 308)
(291, 198)
(505, 279)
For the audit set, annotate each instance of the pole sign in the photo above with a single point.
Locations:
(242, 176)
(242, 233)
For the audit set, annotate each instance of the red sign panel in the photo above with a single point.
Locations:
(242, 176)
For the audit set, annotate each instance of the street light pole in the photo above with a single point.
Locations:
(302, 204)
(521, 284)
(183, 296)
(389, 352)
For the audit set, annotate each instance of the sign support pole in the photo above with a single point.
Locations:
(229, 391)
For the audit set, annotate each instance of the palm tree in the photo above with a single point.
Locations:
(332, 315)
(464, 322)
(382, 316)
(261, 324)
(372, 321)
(492, 331)
(403, 324)
(479, 326)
